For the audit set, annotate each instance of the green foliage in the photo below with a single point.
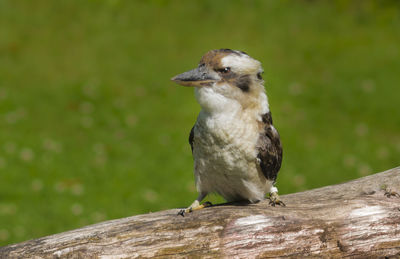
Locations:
(91, 128)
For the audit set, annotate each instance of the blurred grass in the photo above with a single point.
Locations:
(92, 129)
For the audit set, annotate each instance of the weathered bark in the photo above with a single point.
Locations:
(355, 219)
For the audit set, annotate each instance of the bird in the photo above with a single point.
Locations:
(237, 151)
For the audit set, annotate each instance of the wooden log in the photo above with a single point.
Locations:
(357, 219)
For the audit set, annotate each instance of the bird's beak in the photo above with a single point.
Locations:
(198, 77)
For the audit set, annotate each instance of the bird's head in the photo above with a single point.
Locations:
(225, 78)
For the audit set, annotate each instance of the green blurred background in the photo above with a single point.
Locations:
(91, 128)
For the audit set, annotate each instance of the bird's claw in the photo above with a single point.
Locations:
(389, 193)
(275, 200)
(182, 212)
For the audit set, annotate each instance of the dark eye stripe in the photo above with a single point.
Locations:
(243, 83)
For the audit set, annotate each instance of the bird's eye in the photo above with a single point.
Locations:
(224, 70)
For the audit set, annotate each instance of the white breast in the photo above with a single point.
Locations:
(225, 156)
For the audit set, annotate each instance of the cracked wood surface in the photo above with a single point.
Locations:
(355, 219)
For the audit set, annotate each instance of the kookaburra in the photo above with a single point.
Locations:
(237, 151)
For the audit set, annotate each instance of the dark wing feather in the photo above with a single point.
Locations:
(191, 138)
(269, 149)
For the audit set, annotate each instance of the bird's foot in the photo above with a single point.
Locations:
(192, 208)
(389, 193)
(275, 200)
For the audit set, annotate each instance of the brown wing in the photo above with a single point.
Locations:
(191, 138)
(269, 149)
